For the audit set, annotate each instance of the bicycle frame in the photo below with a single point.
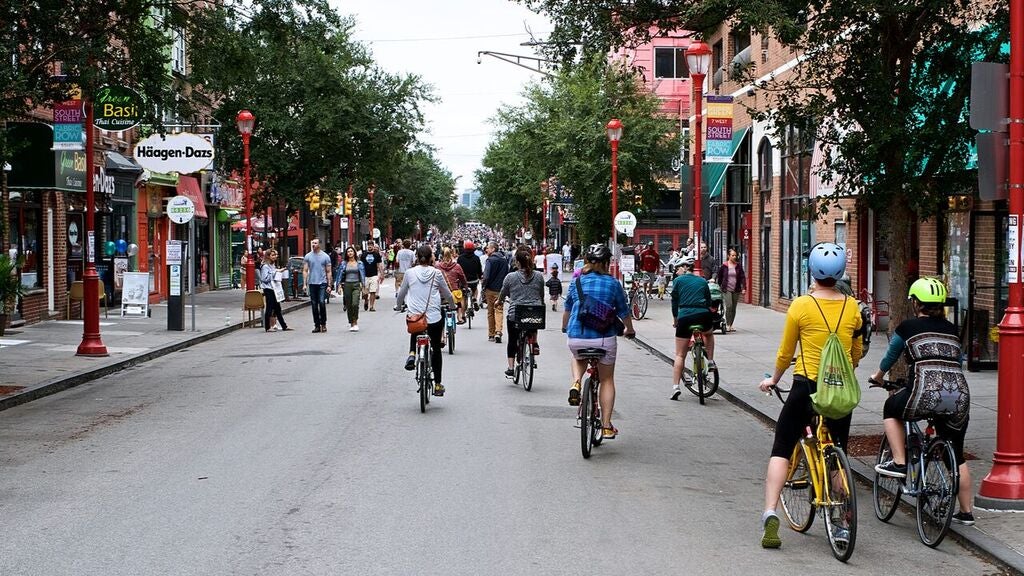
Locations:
(815, 456)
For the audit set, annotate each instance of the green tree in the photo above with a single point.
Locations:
(326, 114)
(420, 191)
(560, 131)
(883, 86)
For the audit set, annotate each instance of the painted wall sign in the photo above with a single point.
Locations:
(183, 153)
(116, 108)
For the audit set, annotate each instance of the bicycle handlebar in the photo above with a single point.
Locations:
(890, 385)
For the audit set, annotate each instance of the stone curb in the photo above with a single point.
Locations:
(64, 382)
(970, 536)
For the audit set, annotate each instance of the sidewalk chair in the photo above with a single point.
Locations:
(879, 308)
(77, 294)
(253, 304)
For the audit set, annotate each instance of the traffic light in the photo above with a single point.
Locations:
(348, 205)
(313, 199)
(339, 203)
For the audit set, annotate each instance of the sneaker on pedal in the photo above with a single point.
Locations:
(892, 469)
(965, 518)
(841, 535)
(509, 372)
(410, 362)
(675, 392)
(770, 535)
(574, 394)
(438, 390)
(712, 365)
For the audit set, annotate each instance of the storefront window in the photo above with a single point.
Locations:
(26, 236)
(797, 235)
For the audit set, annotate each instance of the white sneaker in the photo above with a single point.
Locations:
(351, 328)
(355, 328)
(675, 392)
(274, 329)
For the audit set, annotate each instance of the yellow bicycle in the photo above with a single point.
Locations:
(820, 479)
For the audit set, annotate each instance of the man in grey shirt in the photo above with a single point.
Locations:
(405, 260)
(316, 269)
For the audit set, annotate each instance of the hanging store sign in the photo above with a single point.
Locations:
(182, 153)
(116, 108)
(67, 126)
(69, 170)
(718, 134)
(625, 223)
(181, 209)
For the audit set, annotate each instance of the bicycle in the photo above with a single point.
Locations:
(637, 297)
(589, 414)
(529, 318)
(703, 381)
(820, 478)
(449, 328)
(932, 477)
(424, 370)
(469, 301)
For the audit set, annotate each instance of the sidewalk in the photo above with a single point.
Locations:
(39, 359)
(745, 356)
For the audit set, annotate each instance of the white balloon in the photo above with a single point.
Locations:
(133, 249)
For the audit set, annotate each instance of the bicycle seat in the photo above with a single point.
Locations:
(591, 353)
(696, 328)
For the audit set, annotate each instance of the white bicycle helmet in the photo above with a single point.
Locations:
(686, 261)
(827, 260)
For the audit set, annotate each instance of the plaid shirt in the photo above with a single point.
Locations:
(600, 287)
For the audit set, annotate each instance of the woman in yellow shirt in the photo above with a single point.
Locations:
(808, 321)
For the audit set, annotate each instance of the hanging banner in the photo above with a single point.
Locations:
(718, 129)
(1013, 249)
(184, 153)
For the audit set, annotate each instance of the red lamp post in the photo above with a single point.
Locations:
(614, 129)
(246, 121)
(373, 188)
(698, 58)
(92, 344)
(1003, 488)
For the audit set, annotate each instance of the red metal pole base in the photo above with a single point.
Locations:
(1003, 488)
(92, 344)
(250, 273)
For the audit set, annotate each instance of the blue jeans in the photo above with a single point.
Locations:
(318, 302)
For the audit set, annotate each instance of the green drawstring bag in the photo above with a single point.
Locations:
(838, 391)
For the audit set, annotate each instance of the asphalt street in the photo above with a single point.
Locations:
(296, 453)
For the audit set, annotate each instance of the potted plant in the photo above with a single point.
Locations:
(10, 288)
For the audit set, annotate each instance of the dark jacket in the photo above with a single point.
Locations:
(723, 274)
(470, 265)
(495, 271)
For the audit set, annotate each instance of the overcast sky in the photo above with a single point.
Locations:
(439, 40)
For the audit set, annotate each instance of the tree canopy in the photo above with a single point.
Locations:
(560, 132)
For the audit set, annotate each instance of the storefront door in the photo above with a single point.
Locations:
(987, 298)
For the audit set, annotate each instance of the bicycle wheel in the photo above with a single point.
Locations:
(698, 372)
(469, 318)
(595, 412)
(451, 341)
(526, 353)
(841, 499)
(935, 501)
(885, 490)
(586, 418)
(643, 304)
(422, 382)
(798, 493)
(710, 378)
(634, 305)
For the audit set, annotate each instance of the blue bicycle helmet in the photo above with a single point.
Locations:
(827, 260)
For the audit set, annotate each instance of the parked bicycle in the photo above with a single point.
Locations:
(820, 478)
(589, 414)
(703, 382)
(933, 478)
(636, 295)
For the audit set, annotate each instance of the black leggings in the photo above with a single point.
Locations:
(513, 339)
(896, 405)
(272, 306)
(796, 416)
(435, 331)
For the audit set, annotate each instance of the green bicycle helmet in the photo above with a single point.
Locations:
(928, 291)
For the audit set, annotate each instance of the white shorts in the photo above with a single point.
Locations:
(609, 345)
(372, 285)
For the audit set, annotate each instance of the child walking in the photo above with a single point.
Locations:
(554, 287)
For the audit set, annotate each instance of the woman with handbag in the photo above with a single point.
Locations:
(524, 287)
(456, 278)
(353, 277)
(423, 290)
(595, 311)
(272, 307)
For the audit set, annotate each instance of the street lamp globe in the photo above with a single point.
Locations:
(245, 121)
(698, 58)
(614, 129)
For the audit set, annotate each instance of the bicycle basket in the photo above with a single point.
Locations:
(529, 316)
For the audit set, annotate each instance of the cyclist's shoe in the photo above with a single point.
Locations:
(965, 518)
(892, 469)
(438, 389)
(574, 394)
(509, 372)
(536, 349)
(410, 362)
(841, 535)
(675, 392)
(497, 338)
(609, 433)
(712, 365)
(770, 535)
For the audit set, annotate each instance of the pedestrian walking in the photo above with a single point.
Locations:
(732, 280)
(316, 269)
(495, 270)
(271, 306)
(373, 263)
(353, 276)
(403, 260)
(707, 264)
(554, 288)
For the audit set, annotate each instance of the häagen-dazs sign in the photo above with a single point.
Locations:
(183, 153)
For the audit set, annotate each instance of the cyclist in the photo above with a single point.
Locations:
(930, 331)
(473, 270)
(597, 286)
(426, 290)
(691, 306)
(806, 323)
(650, 262)
(524, 287)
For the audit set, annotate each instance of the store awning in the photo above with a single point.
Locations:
(712, 174)
(188, 186)
(115, 161)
